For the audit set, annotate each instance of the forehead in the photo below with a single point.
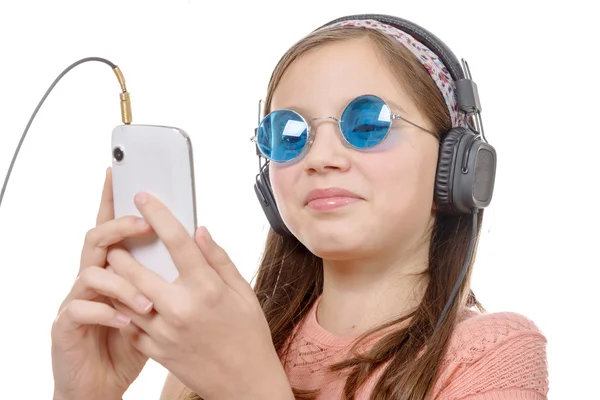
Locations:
(326, 78)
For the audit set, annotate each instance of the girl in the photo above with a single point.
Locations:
(350, 298)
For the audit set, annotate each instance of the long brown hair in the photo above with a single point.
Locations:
(290, 277)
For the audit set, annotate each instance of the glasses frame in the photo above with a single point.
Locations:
(310, 137)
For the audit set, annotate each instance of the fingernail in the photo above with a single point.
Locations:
(141, 223)
(141, 198)
(123, 319)
(206, 234)
(144, 303)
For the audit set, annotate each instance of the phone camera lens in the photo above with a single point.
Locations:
(118, 154)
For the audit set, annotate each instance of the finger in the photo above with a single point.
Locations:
(106, 211)
(219, 260)
(129, 331)
(150, 284)
(143, 343)
(185, 253)
(96, 281)
(109, 233)
(143, 321)
(83, 312)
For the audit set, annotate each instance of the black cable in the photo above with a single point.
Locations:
(463, 271)
(62, 74)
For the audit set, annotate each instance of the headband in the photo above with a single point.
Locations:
(432, 63)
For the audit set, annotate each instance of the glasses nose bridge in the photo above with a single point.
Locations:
(320, 118)
(310, 121)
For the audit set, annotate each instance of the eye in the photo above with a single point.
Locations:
(370, 127)
(363, 128)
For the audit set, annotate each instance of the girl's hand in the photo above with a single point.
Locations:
(207, 327)
(92, 357)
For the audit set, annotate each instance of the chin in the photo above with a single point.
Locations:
(335, 241)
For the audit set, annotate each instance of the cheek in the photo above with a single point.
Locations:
(404, 180)
(282, 183)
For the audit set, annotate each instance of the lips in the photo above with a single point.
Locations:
(330, 198)
(330, 193)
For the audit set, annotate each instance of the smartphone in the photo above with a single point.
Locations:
(156, 160)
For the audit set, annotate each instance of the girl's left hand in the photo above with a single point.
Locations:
(207, 328)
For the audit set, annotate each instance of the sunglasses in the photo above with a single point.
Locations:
(284, 135)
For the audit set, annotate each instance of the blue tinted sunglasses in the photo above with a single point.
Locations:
(284, 135)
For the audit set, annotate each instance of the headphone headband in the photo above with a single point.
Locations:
(419, 33)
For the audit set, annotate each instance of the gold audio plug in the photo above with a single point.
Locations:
(125, 99)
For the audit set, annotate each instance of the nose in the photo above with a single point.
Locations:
(327, 152)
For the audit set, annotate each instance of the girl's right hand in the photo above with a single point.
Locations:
(92, 357)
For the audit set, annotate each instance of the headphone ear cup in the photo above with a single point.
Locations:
(445, 169)
(263, 191)
(466, 173)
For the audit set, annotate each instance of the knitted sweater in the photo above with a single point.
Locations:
(493, 356)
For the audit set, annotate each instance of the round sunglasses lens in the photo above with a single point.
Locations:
(282, 135)
(366, 121)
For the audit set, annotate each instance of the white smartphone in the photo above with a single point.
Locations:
(156, 160)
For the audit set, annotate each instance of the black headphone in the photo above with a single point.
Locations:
(466, 168)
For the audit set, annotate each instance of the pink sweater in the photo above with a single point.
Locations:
(494, 356)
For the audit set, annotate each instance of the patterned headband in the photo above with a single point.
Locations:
(438, 71)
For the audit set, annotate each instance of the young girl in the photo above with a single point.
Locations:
(354, 296)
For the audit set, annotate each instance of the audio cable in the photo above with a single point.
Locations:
(124, 100)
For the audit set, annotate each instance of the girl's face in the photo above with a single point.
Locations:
(376, 202)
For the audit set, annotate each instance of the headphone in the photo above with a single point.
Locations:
(466, 169)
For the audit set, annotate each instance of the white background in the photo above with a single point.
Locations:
(203, 68)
